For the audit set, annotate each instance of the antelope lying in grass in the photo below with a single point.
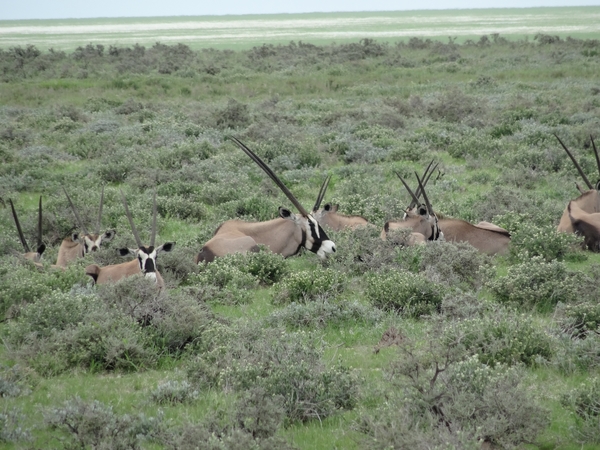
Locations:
(579, 215)
(144, 263)
(32, 256)
(421, 218)
(78, 245)
(285, 235)
(328, 216)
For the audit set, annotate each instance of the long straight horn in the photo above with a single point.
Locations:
(595, 153)
(412, 194)
(576, 163)
(426, 175)
(429, 207)
(133, 229)
(153, 235)
(75, 212)
(274, 177)
(19, 230)
(321, 193)
(39, 237)
(100, 212)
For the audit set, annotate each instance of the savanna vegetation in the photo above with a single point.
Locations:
(378, 347)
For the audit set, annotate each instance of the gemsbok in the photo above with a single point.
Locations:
(579, 215)
(328, 215)
(285, 235)
(78, 245)
(32, 256)
(421, 219)
(145, 257)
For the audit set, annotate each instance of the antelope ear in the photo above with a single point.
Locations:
(108, 235)
(285, 213)
(126, 251)
(75, 237)
(597, 187)
(41, 249)
(327, 207)
(422, 211)
(166, 247)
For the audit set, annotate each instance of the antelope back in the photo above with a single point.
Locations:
(488, 239)
(588, 202)
(328, 216)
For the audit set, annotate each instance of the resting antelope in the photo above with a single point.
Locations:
(32, 256)
(77, 245)
(328, 216)
(285, 235)
(145, 261)
(587, 203)
(421, 219)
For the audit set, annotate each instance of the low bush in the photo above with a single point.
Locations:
(171, 392)
(584, 401)
(95, 425)
(537, 284)
(576, 355)
(405, 292)
(545, 242)
(307, 286)
(501, 337)
(15, 381)
(579, 320)
(283, 364)
(11, 428)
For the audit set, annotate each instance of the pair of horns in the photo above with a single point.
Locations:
(138, 241)
(321, 193)
(271, 174)
(79, 221)
(577, 164)
(426, 175)
(20, 231)
(414, 196)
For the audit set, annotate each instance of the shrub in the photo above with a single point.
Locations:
(283, 364)
(14, 381)
(537, 284)
(579, 320)
(230, 284)
(585, 402)
(306, 286)
(171, 392)
(438, 399)
(95, 425)
(577, 355)
(11, 429)
(410, 294)
(545, 242)
(502, 337)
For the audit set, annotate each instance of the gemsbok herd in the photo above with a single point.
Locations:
(290, 232)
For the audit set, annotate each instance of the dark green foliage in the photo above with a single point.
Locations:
(307, 286)
(544, 241)
(538, 284)
(171, 392)
(16, 380)
(11, 428)
(410, 294)
(581, 319)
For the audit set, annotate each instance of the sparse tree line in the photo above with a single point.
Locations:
(451, 224)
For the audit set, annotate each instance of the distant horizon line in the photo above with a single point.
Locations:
(302, 13)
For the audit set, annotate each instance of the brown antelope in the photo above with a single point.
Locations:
(144, 263)
(328, 216)
(421, 219)
(77, 245)
(588, 201)
(285, 235)
(32, 256)
(586, 225)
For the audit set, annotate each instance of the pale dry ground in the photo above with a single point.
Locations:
(246, 31)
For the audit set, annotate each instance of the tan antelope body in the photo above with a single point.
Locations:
(419, 218)
(579, 215)
(78, 245)
(485, 237)
(329, 216)
(144, 262)
(285, 235)
(30, 255)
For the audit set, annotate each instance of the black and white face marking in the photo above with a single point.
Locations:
(92, 242)
(147, 260)
(317, 240)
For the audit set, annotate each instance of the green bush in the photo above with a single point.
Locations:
(11, 428)
(283, 364)
(502, 337)
(546, 242)
(584, 401)
(171, 392)
(580, 320)
(537, 284)
(307, 286)
(410, 294)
